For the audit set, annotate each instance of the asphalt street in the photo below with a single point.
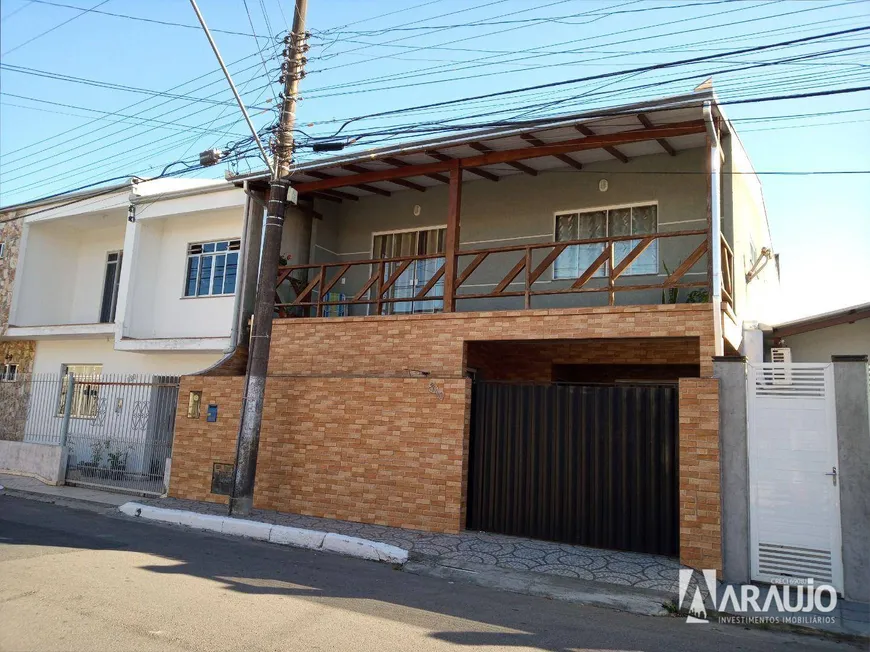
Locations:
(73, 579)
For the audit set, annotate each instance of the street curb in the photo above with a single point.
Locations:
(283, 535)
(65, 501)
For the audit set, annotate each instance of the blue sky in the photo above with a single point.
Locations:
(368, 56)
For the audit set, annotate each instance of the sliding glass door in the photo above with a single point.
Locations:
(418, 273)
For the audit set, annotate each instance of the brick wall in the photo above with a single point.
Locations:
(197, 444)
(700, 500)
(435, 343)
(533, 361)
(351, 431)
(389, 451)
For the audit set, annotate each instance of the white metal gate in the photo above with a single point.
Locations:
(794, 493)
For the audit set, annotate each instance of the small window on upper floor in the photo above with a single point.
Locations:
(212, 268)
(8, 372)
(2, 250)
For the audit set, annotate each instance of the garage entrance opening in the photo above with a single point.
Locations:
(594, 465)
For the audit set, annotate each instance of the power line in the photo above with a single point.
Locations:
(526, 55)
(108, 85)
(58, 26)
(559, 20)
(142, 19)
(606, 75)
(15, 11)
(174, 125)
(137, 103)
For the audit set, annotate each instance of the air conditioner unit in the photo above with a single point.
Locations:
(780, 355)
(781, 358)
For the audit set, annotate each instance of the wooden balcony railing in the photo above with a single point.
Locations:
(382, 275)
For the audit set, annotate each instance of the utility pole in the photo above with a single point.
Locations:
(292, 68)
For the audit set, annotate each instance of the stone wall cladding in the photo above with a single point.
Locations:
(10, 234)
(700, 497)
(14, 395)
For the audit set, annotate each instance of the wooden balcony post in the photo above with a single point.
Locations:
(451, 238)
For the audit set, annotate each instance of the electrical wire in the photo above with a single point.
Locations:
(108, 85)
(64, 134)
(51, 29)
(142, 19)
(606, 75)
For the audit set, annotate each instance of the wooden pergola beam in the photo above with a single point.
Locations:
(480, 147)
(362, 186)
(615, 153)
(496, 157)
(665, 145)
(322, 195)
(398, 163)
(398, 180)
(338, 194)
(484, 174)
(537, 142)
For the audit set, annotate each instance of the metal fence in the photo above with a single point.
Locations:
(117, 428)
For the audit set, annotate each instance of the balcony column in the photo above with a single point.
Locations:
(451, 238)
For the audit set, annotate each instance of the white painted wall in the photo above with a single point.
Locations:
(157, 307)
(820, 345)
(63, 269)
(747, 228)
(51, 354)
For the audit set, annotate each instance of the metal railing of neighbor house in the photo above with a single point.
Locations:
(314, 283)
(117, 428)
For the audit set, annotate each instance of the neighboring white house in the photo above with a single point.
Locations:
(142, 278)
(816, 338)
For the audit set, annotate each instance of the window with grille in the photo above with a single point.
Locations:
(86, 390)
(603, 223)
(8, 372)
(212, 268)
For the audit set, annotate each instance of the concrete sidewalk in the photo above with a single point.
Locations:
(32, 488)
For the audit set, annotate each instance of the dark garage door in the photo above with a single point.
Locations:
(585, 464)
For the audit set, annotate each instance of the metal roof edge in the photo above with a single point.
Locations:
(673, 102)
(82, 194)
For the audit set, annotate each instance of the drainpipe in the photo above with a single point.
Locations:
(240, 280)
(715, 203)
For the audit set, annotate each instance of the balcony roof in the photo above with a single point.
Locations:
(668, 125)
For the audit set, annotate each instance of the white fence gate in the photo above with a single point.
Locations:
(794, 498)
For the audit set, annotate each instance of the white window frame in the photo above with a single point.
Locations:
(8, 372)
(85, 394)
(416, 229)
(598, 209)
(199, 256)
